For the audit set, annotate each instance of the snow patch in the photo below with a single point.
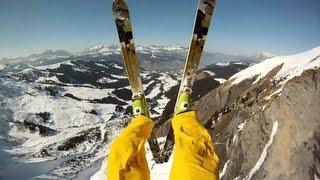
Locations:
(223, 64)
(220, 80)
(2, 66)
(88, 93)
(209, 72)
(277, 92)
(264, 152)
(54, 66)
(168, 82)
(224, 170)
(116, 66)
(119, 76)
(162, 102)
(106, 80)
(155, 91)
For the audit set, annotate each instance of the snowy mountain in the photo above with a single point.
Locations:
(49, 54)
(59, 116)
(255, 114)
(260, 56)
(175, 53)
(265, 119)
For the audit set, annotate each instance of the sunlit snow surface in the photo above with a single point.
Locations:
(2, 66)
(293, 65)
(73, 115)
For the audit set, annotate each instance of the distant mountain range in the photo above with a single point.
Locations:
(60, 112)
(49, 54)
(151, 56)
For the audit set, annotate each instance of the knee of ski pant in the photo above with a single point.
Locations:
(194, 155)
(187, 122)
(138, 130)
(127, 153)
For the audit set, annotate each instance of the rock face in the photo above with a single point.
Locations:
(266, 125)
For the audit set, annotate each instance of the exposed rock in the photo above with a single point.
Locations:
(243, 119)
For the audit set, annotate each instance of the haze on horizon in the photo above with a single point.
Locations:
(239, 27)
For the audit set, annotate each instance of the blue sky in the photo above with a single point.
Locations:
(239, 27)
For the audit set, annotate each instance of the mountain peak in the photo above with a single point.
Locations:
(262, 55)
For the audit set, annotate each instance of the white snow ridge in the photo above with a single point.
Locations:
(292, 66)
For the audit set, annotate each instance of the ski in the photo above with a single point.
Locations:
(122, 19)
(203, 17)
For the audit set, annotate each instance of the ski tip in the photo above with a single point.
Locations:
(120, 9)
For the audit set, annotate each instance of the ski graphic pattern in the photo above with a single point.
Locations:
(122, 19)
(203, 18)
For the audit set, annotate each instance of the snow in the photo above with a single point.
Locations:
(209, 72)
(264, 152)
(224, 169)
(88, 93)
(293, 66)
(106, 80)
(53, 78)
(161, 171)
(173, 48)
(116, 66)
(277, 92)
(158, 171)
(54, 66)
(220, 80)
(155, 91)
(102, 49)
(241, 126)
(44, 176)
(2, 66)
(101, 65)
(100, 175)
(168, 82)
(223, 64)
(119, 76)
(162, 102)
(65, 112)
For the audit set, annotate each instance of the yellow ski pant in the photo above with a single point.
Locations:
(194, 156)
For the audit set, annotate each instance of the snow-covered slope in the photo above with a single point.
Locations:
(291, 66)
(61, 116)
(265, 119)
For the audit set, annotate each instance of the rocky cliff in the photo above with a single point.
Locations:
(265, 120)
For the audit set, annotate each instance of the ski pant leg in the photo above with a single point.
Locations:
(127, 153)
(194, 155)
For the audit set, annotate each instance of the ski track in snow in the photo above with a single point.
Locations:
(264, 153)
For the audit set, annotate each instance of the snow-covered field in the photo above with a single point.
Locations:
(73, 122)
